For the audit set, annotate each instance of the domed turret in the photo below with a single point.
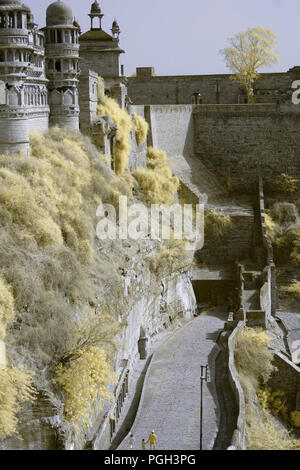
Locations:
(95, 8)
(96, 13)
(115, 29)
(58, 13)
(62, 65)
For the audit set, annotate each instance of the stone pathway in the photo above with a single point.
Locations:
(170, 403)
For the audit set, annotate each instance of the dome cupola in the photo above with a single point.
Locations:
(58, 13)
(96, 13)
(95, 8)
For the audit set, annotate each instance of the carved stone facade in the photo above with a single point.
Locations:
(24, 96)
(41, 83)
(62, 65)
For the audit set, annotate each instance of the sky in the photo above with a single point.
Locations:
(179, 37)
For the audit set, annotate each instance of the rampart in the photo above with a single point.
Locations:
(240, 142)
(148, 88)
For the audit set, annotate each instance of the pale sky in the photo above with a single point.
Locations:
(184, 37)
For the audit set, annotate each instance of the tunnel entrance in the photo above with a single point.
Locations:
(216, 292)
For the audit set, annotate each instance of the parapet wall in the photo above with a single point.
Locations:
(239, 435)
(150, 89)
(171, 128)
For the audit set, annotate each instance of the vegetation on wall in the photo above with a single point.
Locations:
(293, 289)
(216, 224)
(283, 229)
(286, 184)
(273, 400)
(157, 181)
(109, 107)
(254, 364)
(141, 128)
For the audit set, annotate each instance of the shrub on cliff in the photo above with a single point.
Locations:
(157, 181)
(109, 107)
(141, 128)
(84, 381)
(6, 307)
(173, 257)
(52, 269)
(15, 389)
(15, 382)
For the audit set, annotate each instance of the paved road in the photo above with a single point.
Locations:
(170, 404)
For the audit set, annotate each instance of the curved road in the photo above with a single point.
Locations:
(170, 403)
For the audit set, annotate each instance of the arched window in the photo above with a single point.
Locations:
(67, 36)
(55, 97)
(19, 20)
(58, 65)
(59, 36)
(68, 98)
(10, 20)
(13, 98)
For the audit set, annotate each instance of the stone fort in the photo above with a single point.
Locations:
(49, 77)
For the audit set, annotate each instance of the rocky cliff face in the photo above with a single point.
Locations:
(156, 304)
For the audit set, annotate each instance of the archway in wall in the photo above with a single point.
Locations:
(215, 293)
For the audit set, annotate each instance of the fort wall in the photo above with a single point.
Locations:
(242, 141)
(147, 88)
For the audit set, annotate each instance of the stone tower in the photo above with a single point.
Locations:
(62, 65)
(100, 52)
(23, 85)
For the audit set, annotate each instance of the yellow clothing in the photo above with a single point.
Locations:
(143, 446)
(152, 439)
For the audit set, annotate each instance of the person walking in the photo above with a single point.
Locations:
(131, 442)
(152, 440)
(143, 444)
